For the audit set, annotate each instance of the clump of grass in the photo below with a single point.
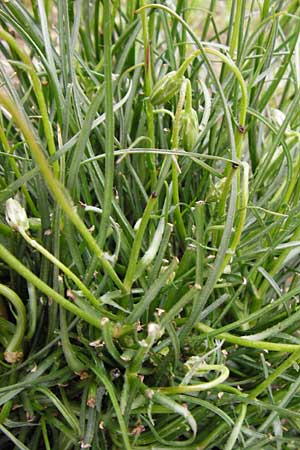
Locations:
(150, 225)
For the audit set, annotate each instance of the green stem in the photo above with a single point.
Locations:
(72, 361)
(236, 28)
(16, 265)
(154, 331)
(38, 92)
(13, 438)
(13, 352)
(291, 188)
(152, 293)
(45, 434)
(17, 173)
(212, 436)
(109, 125)
(111, 392)
(33, 312)
(256, 185)
(157, 397)
(63, 408)
(241, 217)
(277, 265)
(96, 29)
(199, 213)
(243, 342)
(179, 305)
(136, 246)
(188, 100)
(225, 191)
(55, 187)
(175, 144)
(130, 7)
(6, 408)
(263, 312)
(213, 274)
(108, 333)
(62, 267)
(237, 427)
(210, 67)
(199, 387)
(294, 357)
(244, 96)
(148, 91)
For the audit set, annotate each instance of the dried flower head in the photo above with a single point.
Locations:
(15, 215)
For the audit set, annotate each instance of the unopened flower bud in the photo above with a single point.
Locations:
(189, 129)
(15, 215)
(168, 86)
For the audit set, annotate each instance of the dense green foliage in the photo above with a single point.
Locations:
(150, 225)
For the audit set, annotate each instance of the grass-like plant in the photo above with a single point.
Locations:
(150, 225)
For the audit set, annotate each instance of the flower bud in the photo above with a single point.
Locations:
(15, 215)
(168, 86)
(188, 129)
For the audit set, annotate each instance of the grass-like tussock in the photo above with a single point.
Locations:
(149, 234)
